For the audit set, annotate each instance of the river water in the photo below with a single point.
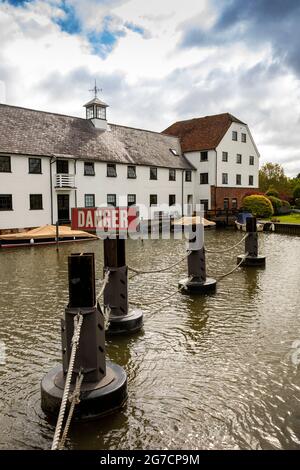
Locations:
(214, 372)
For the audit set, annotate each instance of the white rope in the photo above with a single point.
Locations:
(78, 320)
(227, 249)
(154, 271)
(75, 400)
(104, 284)
(234, 269)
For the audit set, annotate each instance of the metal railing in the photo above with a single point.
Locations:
(64, 180)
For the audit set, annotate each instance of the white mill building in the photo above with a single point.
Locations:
(50, 163)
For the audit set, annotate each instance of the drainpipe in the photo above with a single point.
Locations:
(216, 182)
(182, 195)
(75, 183)
(52, 160)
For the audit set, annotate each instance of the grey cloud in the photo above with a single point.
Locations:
(252, 21)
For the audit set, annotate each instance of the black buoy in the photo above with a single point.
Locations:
(121, 321)
(251, 256)
(104, 385)
(197, 282)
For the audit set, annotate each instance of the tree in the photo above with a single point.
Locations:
(296, 192)
(272, 175)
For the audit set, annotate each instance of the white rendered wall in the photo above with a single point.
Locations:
(231, 167)
(20, 183)
(202, 191)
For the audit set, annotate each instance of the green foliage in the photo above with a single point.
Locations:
(296, 192)
(272, 192)
(276, 203)
(297, 203)
(259, 206)
(272, 175)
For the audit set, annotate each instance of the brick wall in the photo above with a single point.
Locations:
(231, 193)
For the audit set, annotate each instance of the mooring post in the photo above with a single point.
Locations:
(90, 356)
(197, 282)
(116, 291)
(251, 256)
(104, 386)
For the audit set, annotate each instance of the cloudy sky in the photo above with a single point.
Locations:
(160, 61)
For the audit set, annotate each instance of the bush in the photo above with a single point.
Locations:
(259, 206)
(297, 203)
(272, 192)
(276, 203)
(285, 208)
(296, 192)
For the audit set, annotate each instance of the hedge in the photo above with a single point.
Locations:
(259, 206)
(276, 203)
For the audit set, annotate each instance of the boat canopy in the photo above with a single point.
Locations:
(48, 232)
(242, 216)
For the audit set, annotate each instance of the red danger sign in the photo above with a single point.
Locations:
(105, 219)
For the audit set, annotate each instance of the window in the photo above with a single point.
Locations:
(234, 203)
(224, 178)
(153, 199)
(172, 199)
(89, 169)
(188, 176)
(90, 112)
(172, 174)
(5, 166)
(131, 200)
(6, 202)
(111, 170)
(153, 173)
(244, 138)
(204, 203)
(36, 202)
(238, 179)
(62, 166)
(100, 112)
(239, 158)
(89, 200)
(224, 156)
(203, 156)
(174, 151)
(112, 200)
(226, 203)
(251, 160)
(35, 165)
(203, 178)
(251, 180)
(234, 135)
(131, 172)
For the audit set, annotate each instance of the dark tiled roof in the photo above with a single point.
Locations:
(28, 132)
(202, 133)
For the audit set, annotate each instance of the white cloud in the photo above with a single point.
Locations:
(147, 79)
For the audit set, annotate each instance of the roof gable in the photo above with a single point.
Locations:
(29, 132)
(202, 133)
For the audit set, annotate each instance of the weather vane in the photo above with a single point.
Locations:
(95, 89)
